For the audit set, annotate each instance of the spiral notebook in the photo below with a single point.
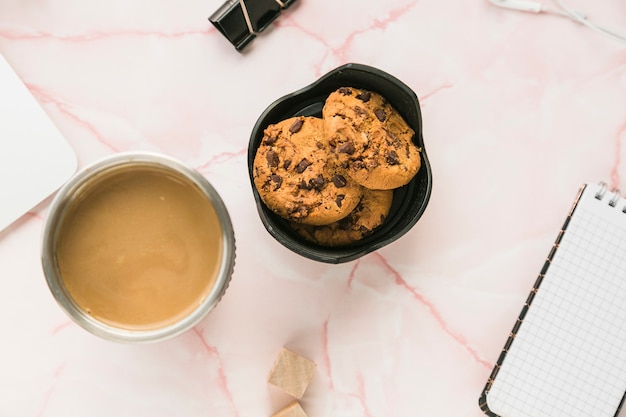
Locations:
(566, 354)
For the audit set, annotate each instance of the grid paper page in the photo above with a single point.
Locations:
(569, 355)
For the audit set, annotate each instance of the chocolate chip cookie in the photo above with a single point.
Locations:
(367, 216)
(370, 139)
(296, 178)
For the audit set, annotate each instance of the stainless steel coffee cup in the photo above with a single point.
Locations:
(77, 187)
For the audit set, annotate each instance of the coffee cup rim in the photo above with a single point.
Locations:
(54, 218)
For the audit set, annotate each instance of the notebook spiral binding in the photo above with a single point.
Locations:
(604, 195)
(615, 195)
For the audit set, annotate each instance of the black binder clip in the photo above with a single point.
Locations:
(240, 21)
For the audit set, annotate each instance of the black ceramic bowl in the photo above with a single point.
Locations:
(409, 201)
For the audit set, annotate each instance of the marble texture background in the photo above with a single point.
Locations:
(519, 111)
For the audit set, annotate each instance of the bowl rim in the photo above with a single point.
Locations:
(336, 255)
(54, 219)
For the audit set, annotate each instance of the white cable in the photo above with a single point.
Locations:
(521, 5)
(577, 17)
(566, 11)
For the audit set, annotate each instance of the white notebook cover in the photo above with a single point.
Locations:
(35, 158)
(566, 355)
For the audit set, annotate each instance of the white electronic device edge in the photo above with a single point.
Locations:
(35, 158)
(564, 11)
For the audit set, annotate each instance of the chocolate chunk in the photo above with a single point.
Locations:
(359, 111)
(339, 181)
(296, 126)
(277, 180)
(407, 150)
(392, 158)
(317, 182)
(363, 229)
(395, 140)
(272, 159)
(269, 140)
(380, 114)
(299, 212)
(339, 199)
(304, 164)
(287, 164)
(358, 165)
(304, 186)
(347, 147)
(364, 96)
(345, 91)
(345, 223)
(319, 145)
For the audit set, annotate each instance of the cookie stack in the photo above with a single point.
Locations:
(333, 177)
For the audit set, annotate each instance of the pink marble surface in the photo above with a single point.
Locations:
(519, 110)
